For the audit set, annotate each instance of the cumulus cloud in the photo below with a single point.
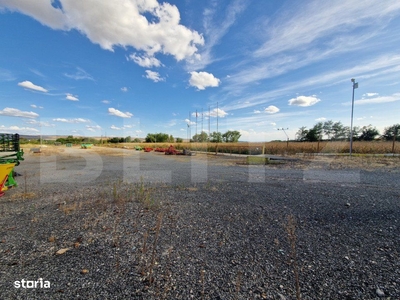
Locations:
(145, 60)
(15, 112)
(124, 89)
(370, 94)
(74, 120)
(216, 112)
(29, 85)
(116, 112)
(155, 76)
(71, 97)
(257, 111)
(202, 80)
(106, 101)
(190, 122)
(39, 123)
(113, 127)
(304, 101)
(118, 23)
(23, 130)
(271, 109)
(320, 119)
(93, 128)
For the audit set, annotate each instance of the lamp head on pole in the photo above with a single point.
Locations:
(353, 80)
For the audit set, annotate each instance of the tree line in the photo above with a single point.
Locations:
(231, 136)
(336, 131)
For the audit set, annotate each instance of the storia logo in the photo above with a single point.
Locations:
(32, 284)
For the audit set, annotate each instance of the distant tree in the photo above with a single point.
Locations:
(216, 137)
(368, 133)
(328, 128)
(319, 130)
(128, 139)
(392, 132)
(200, 137)
(157, 137)
(178, 140)
(338, 131)
(301, 134)
(313, 135)
(115, 140)
(231, 136)
(136, 140)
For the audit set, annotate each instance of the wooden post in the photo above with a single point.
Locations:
(394, 140)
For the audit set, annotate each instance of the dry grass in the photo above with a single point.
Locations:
(359, 147)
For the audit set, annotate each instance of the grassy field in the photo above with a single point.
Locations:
(279, 148)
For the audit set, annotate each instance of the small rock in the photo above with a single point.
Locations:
(84, 271)
(62, 251)
(348, 204)
(281, 297)
(379, 292)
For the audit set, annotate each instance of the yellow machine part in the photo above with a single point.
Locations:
(5, 169)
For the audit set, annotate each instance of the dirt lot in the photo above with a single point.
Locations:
(122, 224)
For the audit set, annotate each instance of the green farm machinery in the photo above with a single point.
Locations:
(9, 145)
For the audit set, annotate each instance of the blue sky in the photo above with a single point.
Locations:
(132, 67)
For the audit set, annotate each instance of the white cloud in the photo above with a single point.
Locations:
(257, 111)
(322, 119)
(272, 124)
(14, 112)
(118, 23)
(379, 99)
(106, 101)
(370, 94)
(190, 122)
(71, 97)
(29, 85)
(124, 89)
(20, 130)
(74, 121)
(116, 112)
(93, 128)
(216, 112)
(155, 76)
(272, 109)
(33, 106)
(39, 123)
(304, 101)
(113, 127)
(202, 80)
(296, 30)
(216, 27)
(145, 60)
(79, 75)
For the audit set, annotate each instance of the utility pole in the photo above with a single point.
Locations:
(209, 122)
(287, 137)
(355, 86)
(217, 125)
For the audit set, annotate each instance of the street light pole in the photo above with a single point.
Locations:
(287, 137)
(355, 85)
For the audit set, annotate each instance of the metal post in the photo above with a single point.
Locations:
(355, 85)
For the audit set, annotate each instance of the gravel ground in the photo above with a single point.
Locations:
(134, 225)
